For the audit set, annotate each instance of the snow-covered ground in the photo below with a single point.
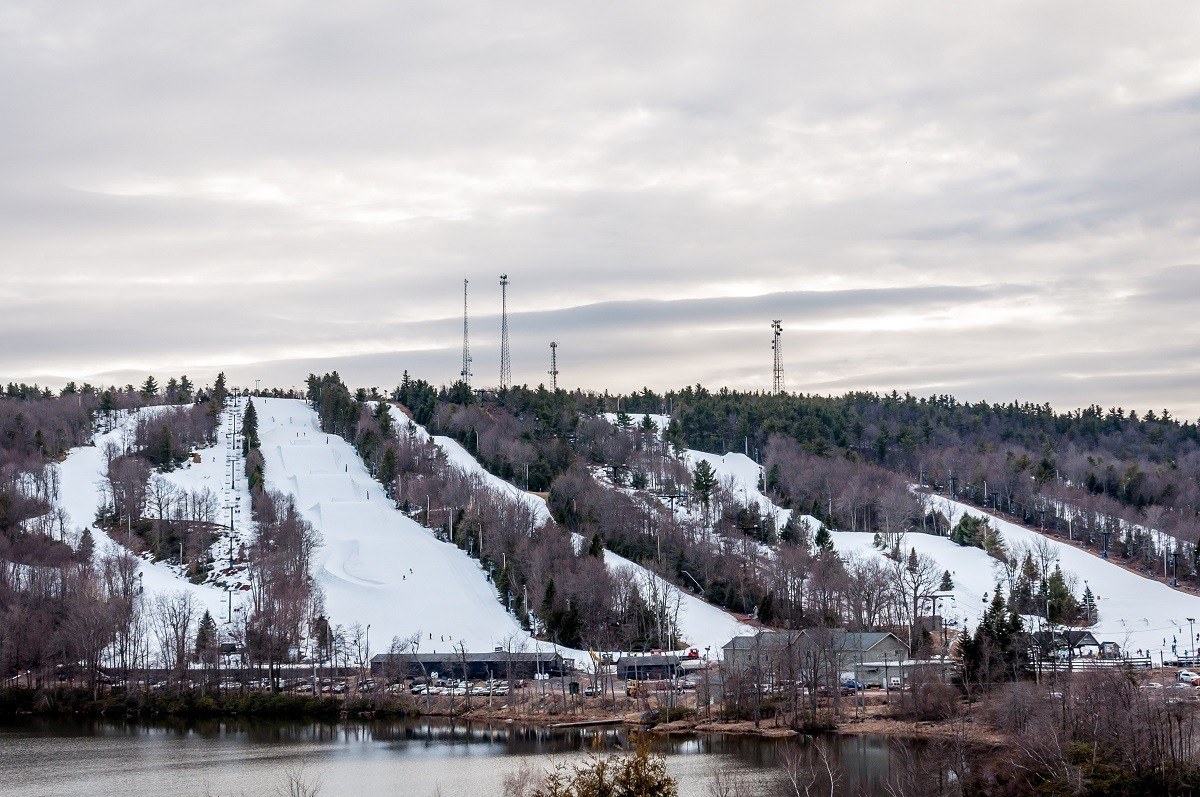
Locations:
(1136, 612)
(222, 471)
(376, 565)
(81, 494)
(701, 624)
(460, 458)
(661, 422)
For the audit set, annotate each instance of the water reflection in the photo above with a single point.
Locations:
(412, 757)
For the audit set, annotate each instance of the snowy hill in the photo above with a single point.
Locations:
(1136, 612)
(377, 566)
(81, 494)
(700, 623)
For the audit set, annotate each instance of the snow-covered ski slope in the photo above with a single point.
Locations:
(1136, 612)
(701, 624)
(81, 492)
(376, 566)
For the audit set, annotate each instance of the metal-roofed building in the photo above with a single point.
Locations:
(497, 664)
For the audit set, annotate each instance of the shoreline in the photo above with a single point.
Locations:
(30, 704)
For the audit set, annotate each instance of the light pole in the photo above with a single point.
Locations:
(1174, 580)
(1191, 635)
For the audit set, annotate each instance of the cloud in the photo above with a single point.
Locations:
(995, 201)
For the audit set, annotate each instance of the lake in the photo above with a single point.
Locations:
(417, 758)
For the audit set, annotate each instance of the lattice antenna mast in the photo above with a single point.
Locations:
(505, 362)
(553, 366)
(465, 374)
(777, 347)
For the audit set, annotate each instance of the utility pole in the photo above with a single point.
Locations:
(777, 347)
(553, 366)
(465, 374)
(505, 363)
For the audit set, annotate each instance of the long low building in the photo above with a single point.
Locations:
(647, 667)
(496, 664)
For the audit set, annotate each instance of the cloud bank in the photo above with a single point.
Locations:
(996, 202)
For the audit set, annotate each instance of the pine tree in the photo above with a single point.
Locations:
(389, 469)
(249, 428)
(86, 547)
(206, 635)
(766, 609)
(1089, 604)
(947, 582)
(704, 481)
(149, 388)
(596, 548)
(166, 449)
(186, 389)
(823, 540)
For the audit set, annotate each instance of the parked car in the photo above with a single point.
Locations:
(1187, 677)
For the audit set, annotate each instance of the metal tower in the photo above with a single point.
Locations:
(553, 366)
(465, 374)
(505, 363)
(777, 347)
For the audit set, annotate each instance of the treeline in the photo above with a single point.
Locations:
(1106, 477)
(557, 588)
(622, 487)
(286, 605)
(144, 509)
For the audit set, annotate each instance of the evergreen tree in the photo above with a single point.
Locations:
(1089, 604)
(389, 469)
(165, 453)
(947, 582)
(249, 428)
(149, 388)
(704, 481)
(86, 547)
(823, 540)
(206, 636)
(1063, 607)
(596, 548)
(186, 389)
(766, 609)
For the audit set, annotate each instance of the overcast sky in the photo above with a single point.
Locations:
(933, 197)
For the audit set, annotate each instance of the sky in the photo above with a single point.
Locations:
(997, 201)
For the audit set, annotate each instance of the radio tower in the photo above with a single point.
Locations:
(553, 366)
(465, 374)
(777, 347)
(505, 364)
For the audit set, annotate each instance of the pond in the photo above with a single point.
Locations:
(421, 758)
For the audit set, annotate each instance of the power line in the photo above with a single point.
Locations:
(505, 363)
(553, 366)
(465, 374)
